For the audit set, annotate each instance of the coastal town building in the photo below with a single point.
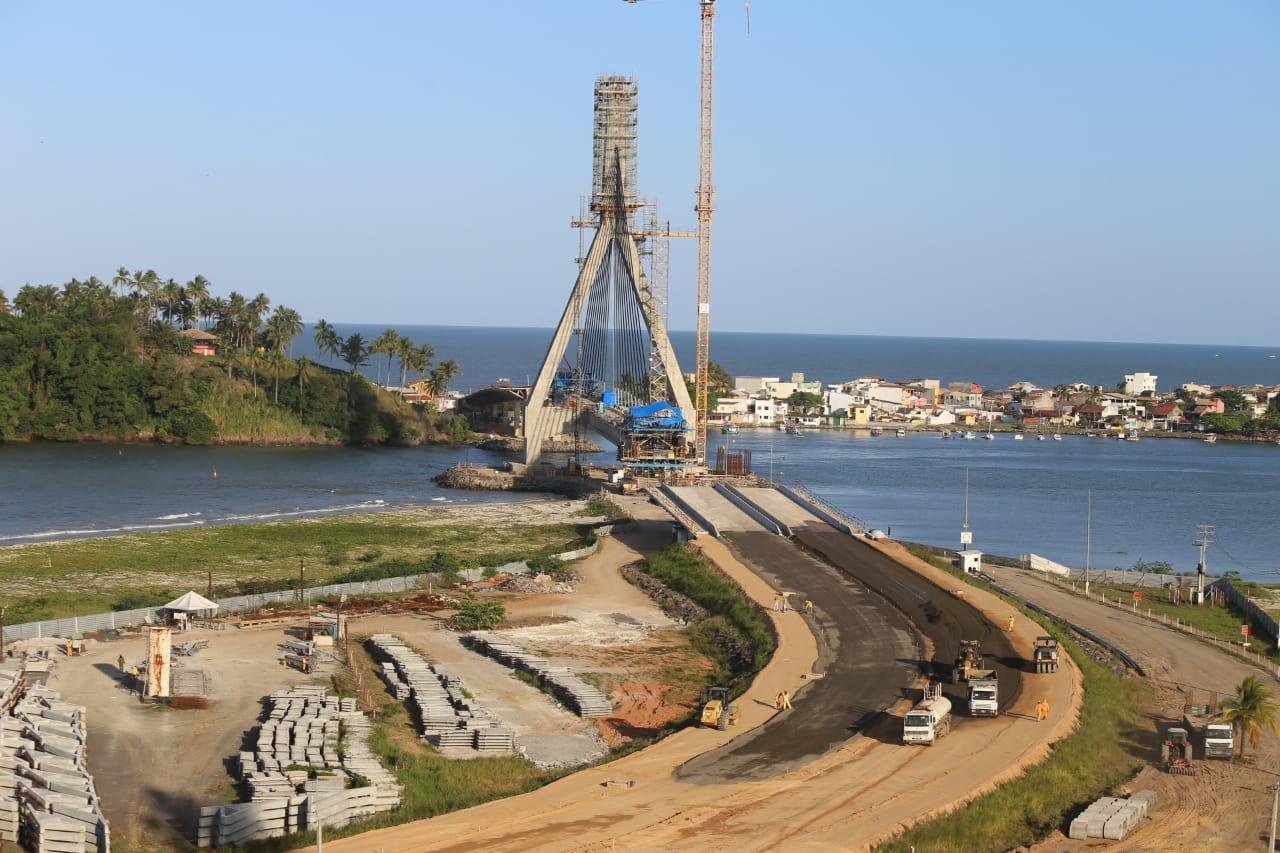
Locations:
(1137, 384)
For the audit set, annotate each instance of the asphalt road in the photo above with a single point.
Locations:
(867, 654)
(943, 618)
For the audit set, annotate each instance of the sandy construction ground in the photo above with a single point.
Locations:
(154, 766)
(1226, 806)
(848, 799)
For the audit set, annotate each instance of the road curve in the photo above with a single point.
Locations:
(944, 618)
(867, 656)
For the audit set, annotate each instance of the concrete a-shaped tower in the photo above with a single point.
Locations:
(610, 350)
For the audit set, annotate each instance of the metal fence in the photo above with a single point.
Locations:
(78, 626)
(1250, 607)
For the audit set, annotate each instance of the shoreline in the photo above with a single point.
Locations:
(1006, 429)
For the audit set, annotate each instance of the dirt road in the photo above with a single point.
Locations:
(1226, 806)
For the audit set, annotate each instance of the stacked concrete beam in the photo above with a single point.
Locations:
(586, 699)
(47, 797)
(1112, 818)
(447, 716)
(302, 728)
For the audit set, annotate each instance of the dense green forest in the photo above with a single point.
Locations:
(98, 361)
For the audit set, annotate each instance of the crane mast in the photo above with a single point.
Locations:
(706, 198)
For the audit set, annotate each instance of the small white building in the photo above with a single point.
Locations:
(764, 410)
(753, 384)
(1137, 384)
(970, 561)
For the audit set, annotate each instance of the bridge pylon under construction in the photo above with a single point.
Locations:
(610, 366)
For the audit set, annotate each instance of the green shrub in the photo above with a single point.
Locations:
(193, 426)
(478, 616)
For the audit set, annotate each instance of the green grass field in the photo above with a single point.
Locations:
(94, 575)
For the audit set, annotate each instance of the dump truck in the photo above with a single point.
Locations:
(968, 659)
(717, 712)
(930, 719)
(984, 693)
(1046, 654)
(1215, 739)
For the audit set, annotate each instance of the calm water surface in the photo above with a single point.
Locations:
(1025, 496)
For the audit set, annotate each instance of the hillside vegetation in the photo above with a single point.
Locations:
(84, 362)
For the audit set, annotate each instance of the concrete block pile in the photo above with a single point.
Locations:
(1112, 818)
(47, 798)
(448, 717)
(300, 736)
(586, 699)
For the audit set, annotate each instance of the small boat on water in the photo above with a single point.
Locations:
(970, 435)
(989, 436)
(877, 431)
(946, 433)
(901, 433)
(1211, 438)
(1040, 437)
(792, 429)
(1017, 436)
(1133, 436)
(1057, 436)
(729, 429)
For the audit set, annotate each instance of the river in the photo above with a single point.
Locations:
(1025, 496)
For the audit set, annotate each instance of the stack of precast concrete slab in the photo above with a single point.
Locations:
(300, 737)
(586, 699)
(1112, 817)
(47, 798)
(449, 718)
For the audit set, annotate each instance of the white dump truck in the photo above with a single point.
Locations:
(1216, 739)
(930, 719)
(984, 693)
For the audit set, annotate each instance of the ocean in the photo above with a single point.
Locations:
(488, 354)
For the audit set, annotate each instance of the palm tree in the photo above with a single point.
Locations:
(326, 339)
(37, 299)
(1252, 709)
(289, 326)
(276, 363)
(411, 356)
(441, 375)
(121, 280)
(386, 344)
(355, 352)
(145, 285)
(304, 375)
(198, 295)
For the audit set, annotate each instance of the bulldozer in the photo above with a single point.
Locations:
(968, 659)
(717, 712)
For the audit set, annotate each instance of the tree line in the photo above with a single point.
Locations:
(92, 359)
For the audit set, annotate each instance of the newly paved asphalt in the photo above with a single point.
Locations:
(867, 655)
(939, 615)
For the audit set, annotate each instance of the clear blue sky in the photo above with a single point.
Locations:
(1084, 170)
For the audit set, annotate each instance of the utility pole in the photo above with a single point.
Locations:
(210, 585)
(1205, 540)
(1088, 537)
(1275, 800)
(302, 580)
(1, 633)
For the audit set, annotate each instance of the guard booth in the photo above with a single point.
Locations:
(970, 561)
(326, 629)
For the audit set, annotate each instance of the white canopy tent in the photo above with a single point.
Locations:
(191, 602)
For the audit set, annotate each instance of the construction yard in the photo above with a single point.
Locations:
(157, 765)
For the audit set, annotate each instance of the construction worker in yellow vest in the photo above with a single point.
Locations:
(1042, 710)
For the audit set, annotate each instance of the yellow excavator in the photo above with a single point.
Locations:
(717, 712)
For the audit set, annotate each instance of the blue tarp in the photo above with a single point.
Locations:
(660, 415)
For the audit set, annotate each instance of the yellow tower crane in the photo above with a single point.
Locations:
(704, 209)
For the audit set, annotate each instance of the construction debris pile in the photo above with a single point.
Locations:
(585, 699)
(300, 737)
(539, 583)
(674, 604)
(47, 798)
(448, 717)
(1112, 817)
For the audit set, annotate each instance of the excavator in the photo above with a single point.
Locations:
(717, 712)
